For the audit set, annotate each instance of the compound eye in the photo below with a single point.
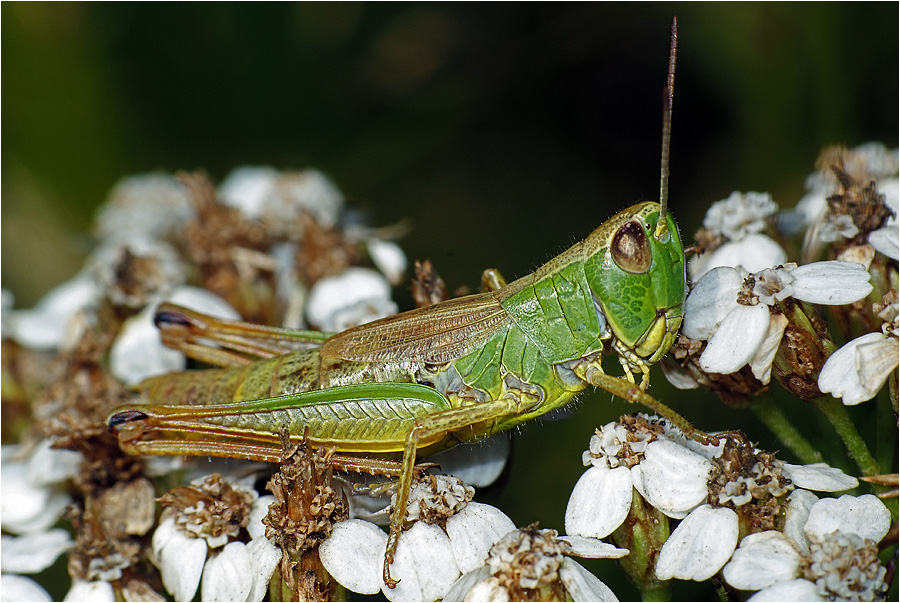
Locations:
(630, 248)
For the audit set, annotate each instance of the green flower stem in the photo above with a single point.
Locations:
(772, 417)
(643, 532)
(835, 412)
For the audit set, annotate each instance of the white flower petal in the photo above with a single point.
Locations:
(672, 478)
(389, 258)
(761, 364)
(86, 592)
(227, 575)
(795, 590)
(247, 188)
(49, 465)
(677, 376)
(203, 300)
(153, 204)
(737, 339)
(840, 376)
(180, 559)
(875, 361)
(20, 500)
(886, 240)
(582, 585)
(866, 516)
(20, 588)
(740, 214)
(478, 464)
(357, 294)
(762, 560)
(488, 589)
(473, 531)
(799, 503)
(599, 502)
(424, 565)
(710, 301)
(33, 553)
(354, 554)
(833, 282)
(466, 582)
(46, 516)
(258, 510)
(264, 558)
(138, 352)
(699, 546)
(753, 253)
(44, 326)
(819, 477)
(593, 548)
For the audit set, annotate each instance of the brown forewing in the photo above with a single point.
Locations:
(435, 334)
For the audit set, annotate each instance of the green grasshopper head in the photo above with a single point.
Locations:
(636, 273)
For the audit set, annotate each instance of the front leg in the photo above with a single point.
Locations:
(591, 371)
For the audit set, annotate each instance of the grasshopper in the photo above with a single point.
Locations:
(425, 380)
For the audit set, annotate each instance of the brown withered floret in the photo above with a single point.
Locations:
(323, 251)
(753, 478)
(706, 241)
(428, 288)
(26, 374)
(859, 200)
(804, 349)
(98, 553)
(73, 410)
(230, 252)
(136, 279)
(301, 518)
(212, 508)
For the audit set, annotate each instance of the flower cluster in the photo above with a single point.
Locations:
(278, 248)
(723, 496)
(751, 308)
(267, 246)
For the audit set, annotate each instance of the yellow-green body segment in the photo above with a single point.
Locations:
(461, 370)
(520, 344)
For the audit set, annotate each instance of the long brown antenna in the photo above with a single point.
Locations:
(662, 225)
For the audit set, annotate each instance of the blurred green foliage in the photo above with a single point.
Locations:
(505, 131)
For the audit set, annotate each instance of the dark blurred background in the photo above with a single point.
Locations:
(505, 131)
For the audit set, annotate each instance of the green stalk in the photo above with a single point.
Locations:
(772, 417)
(837, 415)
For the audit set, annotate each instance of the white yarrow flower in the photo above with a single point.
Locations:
(429, 557)
(277, 198)
(752, 253)
(148, 205)
(194, 547)
(354, 297)
(45, 326)
(833, 558)
(740, 215)
(740, 334)
(857, 371)
(699, 484)
(31, 496)
(885, 239)
(529, 559)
